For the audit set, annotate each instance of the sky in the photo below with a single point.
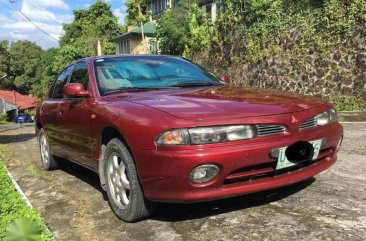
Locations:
(47, 14)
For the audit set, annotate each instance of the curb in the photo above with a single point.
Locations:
(24, 197)
(352, 116)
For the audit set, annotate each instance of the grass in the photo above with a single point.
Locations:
(349, 103)
(12, 206)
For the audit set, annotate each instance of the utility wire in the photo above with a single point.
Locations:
(42, 13)
(30, 20)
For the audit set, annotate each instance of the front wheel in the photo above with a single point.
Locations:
(123, 188)
(48, 161)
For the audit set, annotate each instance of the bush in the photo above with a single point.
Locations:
(3, 117)
(349, 103)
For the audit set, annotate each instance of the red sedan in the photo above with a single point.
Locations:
(163, 129)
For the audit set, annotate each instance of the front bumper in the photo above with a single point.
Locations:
(244, 166)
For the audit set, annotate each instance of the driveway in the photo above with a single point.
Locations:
(331, 206)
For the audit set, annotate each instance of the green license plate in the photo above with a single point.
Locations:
(282, 161)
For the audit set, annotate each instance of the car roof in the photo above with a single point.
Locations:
(126, 55)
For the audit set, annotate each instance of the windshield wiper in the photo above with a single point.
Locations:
(134, 89)
(192, 84)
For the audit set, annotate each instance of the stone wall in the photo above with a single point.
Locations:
(339, 71)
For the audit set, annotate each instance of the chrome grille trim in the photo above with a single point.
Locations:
(267, 130)
(308, 123)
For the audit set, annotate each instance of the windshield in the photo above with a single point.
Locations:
(137, 73)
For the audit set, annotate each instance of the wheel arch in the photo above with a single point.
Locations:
(107, 134)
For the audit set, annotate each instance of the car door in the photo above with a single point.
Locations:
(74, 120)
(49, 109)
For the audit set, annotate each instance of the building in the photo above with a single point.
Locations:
(132, 41)
(155, 8)
(12, 102)
(211, 9)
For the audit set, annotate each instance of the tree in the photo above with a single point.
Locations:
(45, 73)
(25, 58)
(136, 12)
(80, 38)
(5, 82)
(183, 29)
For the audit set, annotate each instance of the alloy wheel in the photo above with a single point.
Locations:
(44, 150)
(118, 182)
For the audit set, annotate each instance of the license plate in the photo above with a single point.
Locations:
(282, 161)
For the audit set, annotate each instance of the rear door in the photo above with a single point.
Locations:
(50, 106)
(74, 120)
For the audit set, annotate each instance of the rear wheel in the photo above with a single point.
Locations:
(48, 161)
(123, 188)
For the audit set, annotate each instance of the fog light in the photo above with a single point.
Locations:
(204, 173)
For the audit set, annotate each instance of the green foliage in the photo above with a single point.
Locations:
(136, 12)
(3, 118)
(349, 103)
(5, 81)
(12, 207)
(66, 55)
(22, 65)
(45, 73)
(183, 29)
(173, 29)
(26, 67)
(80, 38)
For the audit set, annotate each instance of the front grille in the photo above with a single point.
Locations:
(268, 170)
(267, 130)
(308, 123)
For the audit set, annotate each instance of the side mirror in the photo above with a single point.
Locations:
(225, 78)
(75, 90)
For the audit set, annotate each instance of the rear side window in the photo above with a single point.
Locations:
(59, 83)
(80, 74)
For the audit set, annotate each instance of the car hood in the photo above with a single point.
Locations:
(224, 102)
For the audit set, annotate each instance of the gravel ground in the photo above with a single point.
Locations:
(330, 206)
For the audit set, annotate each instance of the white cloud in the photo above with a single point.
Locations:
(40, 13)
(120, 15)
(60, 4)
(17, 27)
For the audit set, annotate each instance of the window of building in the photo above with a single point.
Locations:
(153, 46)
(157, 7)
(208, 10)
(124, 47)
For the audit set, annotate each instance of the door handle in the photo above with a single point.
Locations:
(63, 110)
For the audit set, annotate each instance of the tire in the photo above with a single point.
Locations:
(124, 191)
(48, 161)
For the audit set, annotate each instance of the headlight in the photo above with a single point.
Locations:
(206, 135)
(327, 117)
(217, 134)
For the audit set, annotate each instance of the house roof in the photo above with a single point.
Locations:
(149, 31)
(23, 102)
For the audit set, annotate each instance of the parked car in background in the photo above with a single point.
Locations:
(163, 129)
(23, 118)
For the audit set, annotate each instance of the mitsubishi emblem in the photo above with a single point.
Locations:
(294, 120)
